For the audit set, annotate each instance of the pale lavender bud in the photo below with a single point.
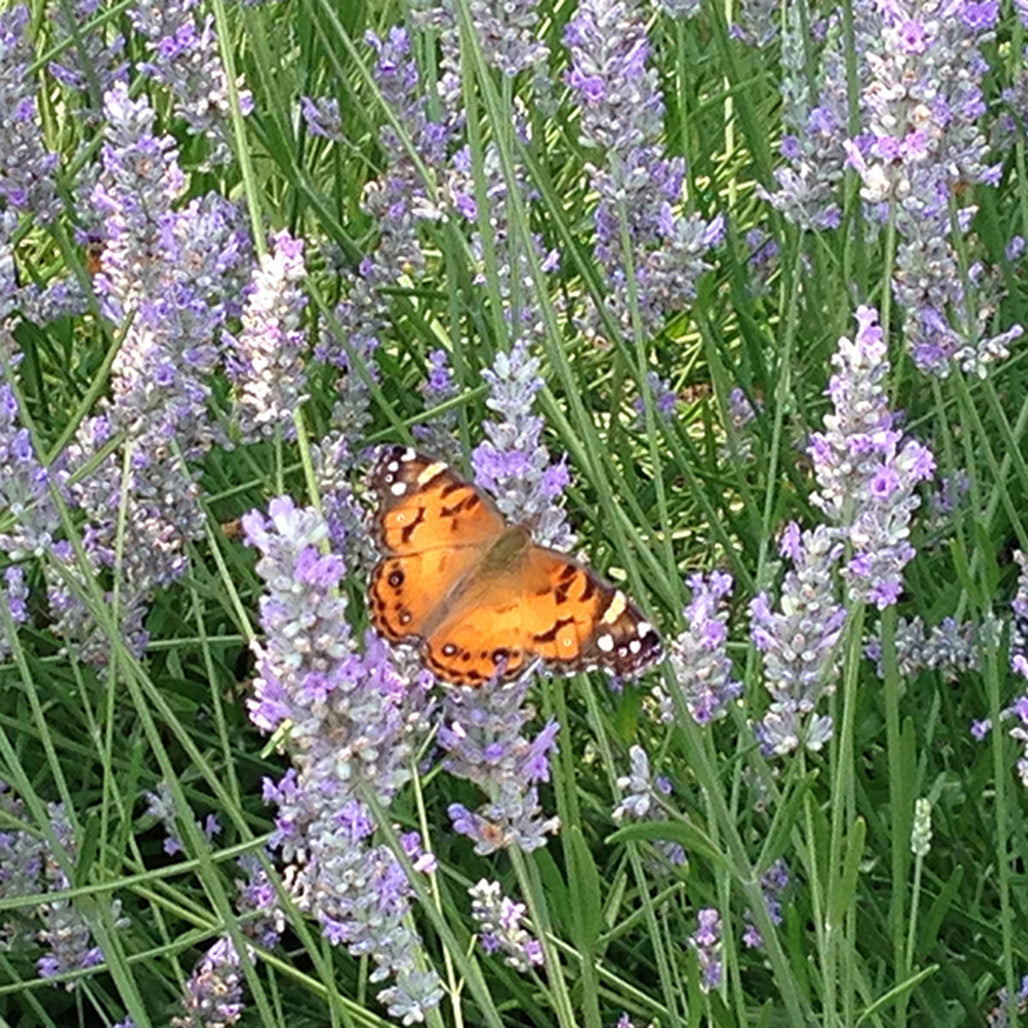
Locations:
(703, 670)
(706, 941)
(798, 643)
(501, 925)
(322, 117)
(266, 358)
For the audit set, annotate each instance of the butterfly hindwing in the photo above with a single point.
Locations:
(405, 589)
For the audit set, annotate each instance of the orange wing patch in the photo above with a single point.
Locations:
(423, 505)
(484, 600)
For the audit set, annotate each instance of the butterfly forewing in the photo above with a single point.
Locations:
(424, 505)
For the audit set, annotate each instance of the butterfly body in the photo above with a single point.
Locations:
(482, 598)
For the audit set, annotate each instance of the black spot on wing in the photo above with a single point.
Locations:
(549, 636)
(408, 530)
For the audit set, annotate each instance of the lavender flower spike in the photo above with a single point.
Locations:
(214, 992)
(512, 463)
(706, 940)
(640, 801)
(702, 668)
(355, 721)
(798, 642)
(638, 186)
(482, 735)
(866, 468)
(26, 166)
(1019, 663)
(506, 30)
(267, 359)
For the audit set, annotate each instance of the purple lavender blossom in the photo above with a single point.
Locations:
(501, 925)
(867, 469)
(773, 884)
(921, 143)
(322, 117)
(622, 113)
(706, 940)
(512, 463)
(507, 33)
(214, 992)
(999, 1016)
(92, 62)
(161, 805)
(183, 49)
(175, 274)
(482, 734)
(798, 642)
(809, 183)
(758, 22)
(397, 203)
(213, 995)
(30, 517)
(22, 858)
(641, 795)
(950, 647)
(665, 400)
(266, 361)
(1019, 663)
(699, 658)
(26, 165)
(64, 930)
(438, 435)
(355, 719)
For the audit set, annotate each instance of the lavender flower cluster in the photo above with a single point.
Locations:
(798, 642)
(501, 924)
(512, 462)
(28, 867)
(642, 795)
(866, 468)
(643, 242)
(267, 357)
(482, 735)
(773, 883)
(183, 49)
(26, 166)
(213, 996)
(354, 718)
(169, 275)
(706, 942)
(703, 670)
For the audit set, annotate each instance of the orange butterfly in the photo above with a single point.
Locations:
(483, 599)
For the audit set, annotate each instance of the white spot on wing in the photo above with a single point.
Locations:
(605, 643)
(398, 489)
(635, 646)
(408, 454)
(615, 608)
(643, 628)
(430, 472)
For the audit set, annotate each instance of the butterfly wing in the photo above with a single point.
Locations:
(546, 607)
(433, 528)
